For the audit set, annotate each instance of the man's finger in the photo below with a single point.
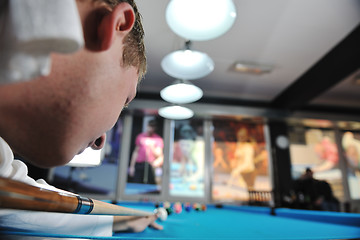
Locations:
(156, 226)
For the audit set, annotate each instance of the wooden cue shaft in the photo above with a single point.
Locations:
(22, 196)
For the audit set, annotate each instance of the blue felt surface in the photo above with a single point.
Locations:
(232, 222)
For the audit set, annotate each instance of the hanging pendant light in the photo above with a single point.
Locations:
(187, 64)
(181, 92)
(176, 112)
(200, 20)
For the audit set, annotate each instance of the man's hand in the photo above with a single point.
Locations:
(135, 223)
(131, 171)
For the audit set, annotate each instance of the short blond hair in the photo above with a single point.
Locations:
(134, 46)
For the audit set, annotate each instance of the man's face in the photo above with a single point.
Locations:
(150, 129)
(85, 94)
(109, 88)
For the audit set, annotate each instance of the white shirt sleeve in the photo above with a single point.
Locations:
(56, 223)
(45, 222)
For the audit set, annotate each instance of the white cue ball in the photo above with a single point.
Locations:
(161, 213)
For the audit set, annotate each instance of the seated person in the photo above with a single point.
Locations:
(49, 119)
(314, 194)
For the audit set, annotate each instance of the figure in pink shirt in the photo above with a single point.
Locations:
(147, 155)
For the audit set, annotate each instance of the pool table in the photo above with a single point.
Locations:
(235, 222)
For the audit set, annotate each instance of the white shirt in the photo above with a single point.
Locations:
(30, 30)
(45, 222)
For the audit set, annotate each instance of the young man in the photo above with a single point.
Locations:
(49, 119)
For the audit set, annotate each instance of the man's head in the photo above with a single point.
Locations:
(50, 119)
(308, 173)
(151, 127)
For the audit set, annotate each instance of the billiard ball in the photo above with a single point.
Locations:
(196, 206)
(187, 207)
(169, 210)
(177, 207)
(218, 205)
(166, 205)
(203, 207)
(161, 213)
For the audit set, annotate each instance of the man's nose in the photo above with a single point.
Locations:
(99, 143)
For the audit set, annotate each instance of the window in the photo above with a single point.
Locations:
(316, 149)
(241, 160)
(145, 165)
(351, 148)
(187, 166)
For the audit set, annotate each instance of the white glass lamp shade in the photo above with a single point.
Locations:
(181, 93)
(200, 20)
(187, 64)
(176, 112)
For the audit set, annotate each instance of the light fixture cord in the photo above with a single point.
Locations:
(188, 45)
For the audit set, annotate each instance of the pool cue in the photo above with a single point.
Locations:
(22, 196)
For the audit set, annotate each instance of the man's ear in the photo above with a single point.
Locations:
(118, 22)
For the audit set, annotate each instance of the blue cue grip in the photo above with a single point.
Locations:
(85, 205)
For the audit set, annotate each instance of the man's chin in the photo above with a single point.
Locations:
(81, 151)
(84, 147)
